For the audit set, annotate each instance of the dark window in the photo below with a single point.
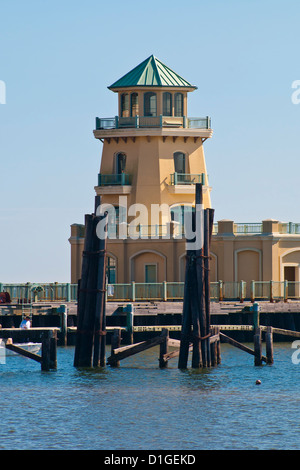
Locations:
(120, 163)
(178, 104)
(150, 104)
(134, 105)
(179, 162)
(167, 104)
(124, 105)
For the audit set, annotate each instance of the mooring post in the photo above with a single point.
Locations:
(163, 348)
(53, 350)
(46, 355)
(129, 321)
(115, 344)
(63, 324)
(213, 349)
(257, 347)
(269, 345)
(255, 310)
(218, 346)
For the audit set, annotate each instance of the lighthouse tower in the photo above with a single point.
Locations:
(152, 158)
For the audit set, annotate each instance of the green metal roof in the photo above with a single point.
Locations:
(151, 73)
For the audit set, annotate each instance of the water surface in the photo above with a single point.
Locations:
(139, 406)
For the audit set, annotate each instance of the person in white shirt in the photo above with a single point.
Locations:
(25, 323)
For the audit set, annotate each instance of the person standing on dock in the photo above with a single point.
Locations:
(25, 323)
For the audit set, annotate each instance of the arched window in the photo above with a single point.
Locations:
(167, 104)
(134, 104)
(125, 105)
(179, 162)
(178, 104)
(150, 105)
(120, 163)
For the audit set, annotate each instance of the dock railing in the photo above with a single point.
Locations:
(160, 291)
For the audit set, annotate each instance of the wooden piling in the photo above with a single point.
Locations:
(90, 336)
(82, 290)
(269, 345)
(257, 347)
(46, 358)
(217, 329)
(129, 322)
(186, 322)
(213, 347)
(198, 294)
(163, 349)
(196, 302)
(115, 344)
(63, 325)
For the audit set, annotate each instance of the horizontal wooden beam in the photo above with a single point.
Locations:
(280, 331)
(137, 329)
(24, 352)
(214, 338)
(238, 345)
(135, 348)
(175, 353)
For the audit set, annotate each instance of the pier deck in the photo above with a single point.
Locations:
(150, 317)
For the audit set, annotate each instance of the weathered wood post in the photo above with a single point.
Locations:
(186, 320)
(256, 315)
(196, 302)
(199, 356)
(102, 359)
(82, 290)
(213, 351)
(63, 324)
(129, 321)
(208, 227)
(269, 345)
(53, 350)
(115, 344)
(163, 348)
(257, 347)
(46, 354)
(218, 347)
(91, 300)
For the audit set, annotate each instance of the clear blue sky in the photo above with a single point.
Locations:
(57, 59)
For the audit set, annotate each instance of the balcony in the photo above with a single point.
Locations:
(121, 179)
(113, 184)
(187, 178)
(138, 122)
(183, 183)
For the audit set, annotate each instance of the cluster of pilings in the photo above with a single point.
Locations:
(196, 328)
(91, 324)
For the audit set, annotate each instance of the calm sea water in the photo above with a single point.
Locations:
(138, 406)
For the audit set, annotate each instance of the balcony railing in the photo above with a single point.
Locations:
(248, 228)
(153, 121)
(123, 230)
(109, 180)
(289, 227)
(219, 291)
(187, 178)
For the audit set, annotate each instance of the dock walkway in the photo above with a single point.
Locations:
(152, 316)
